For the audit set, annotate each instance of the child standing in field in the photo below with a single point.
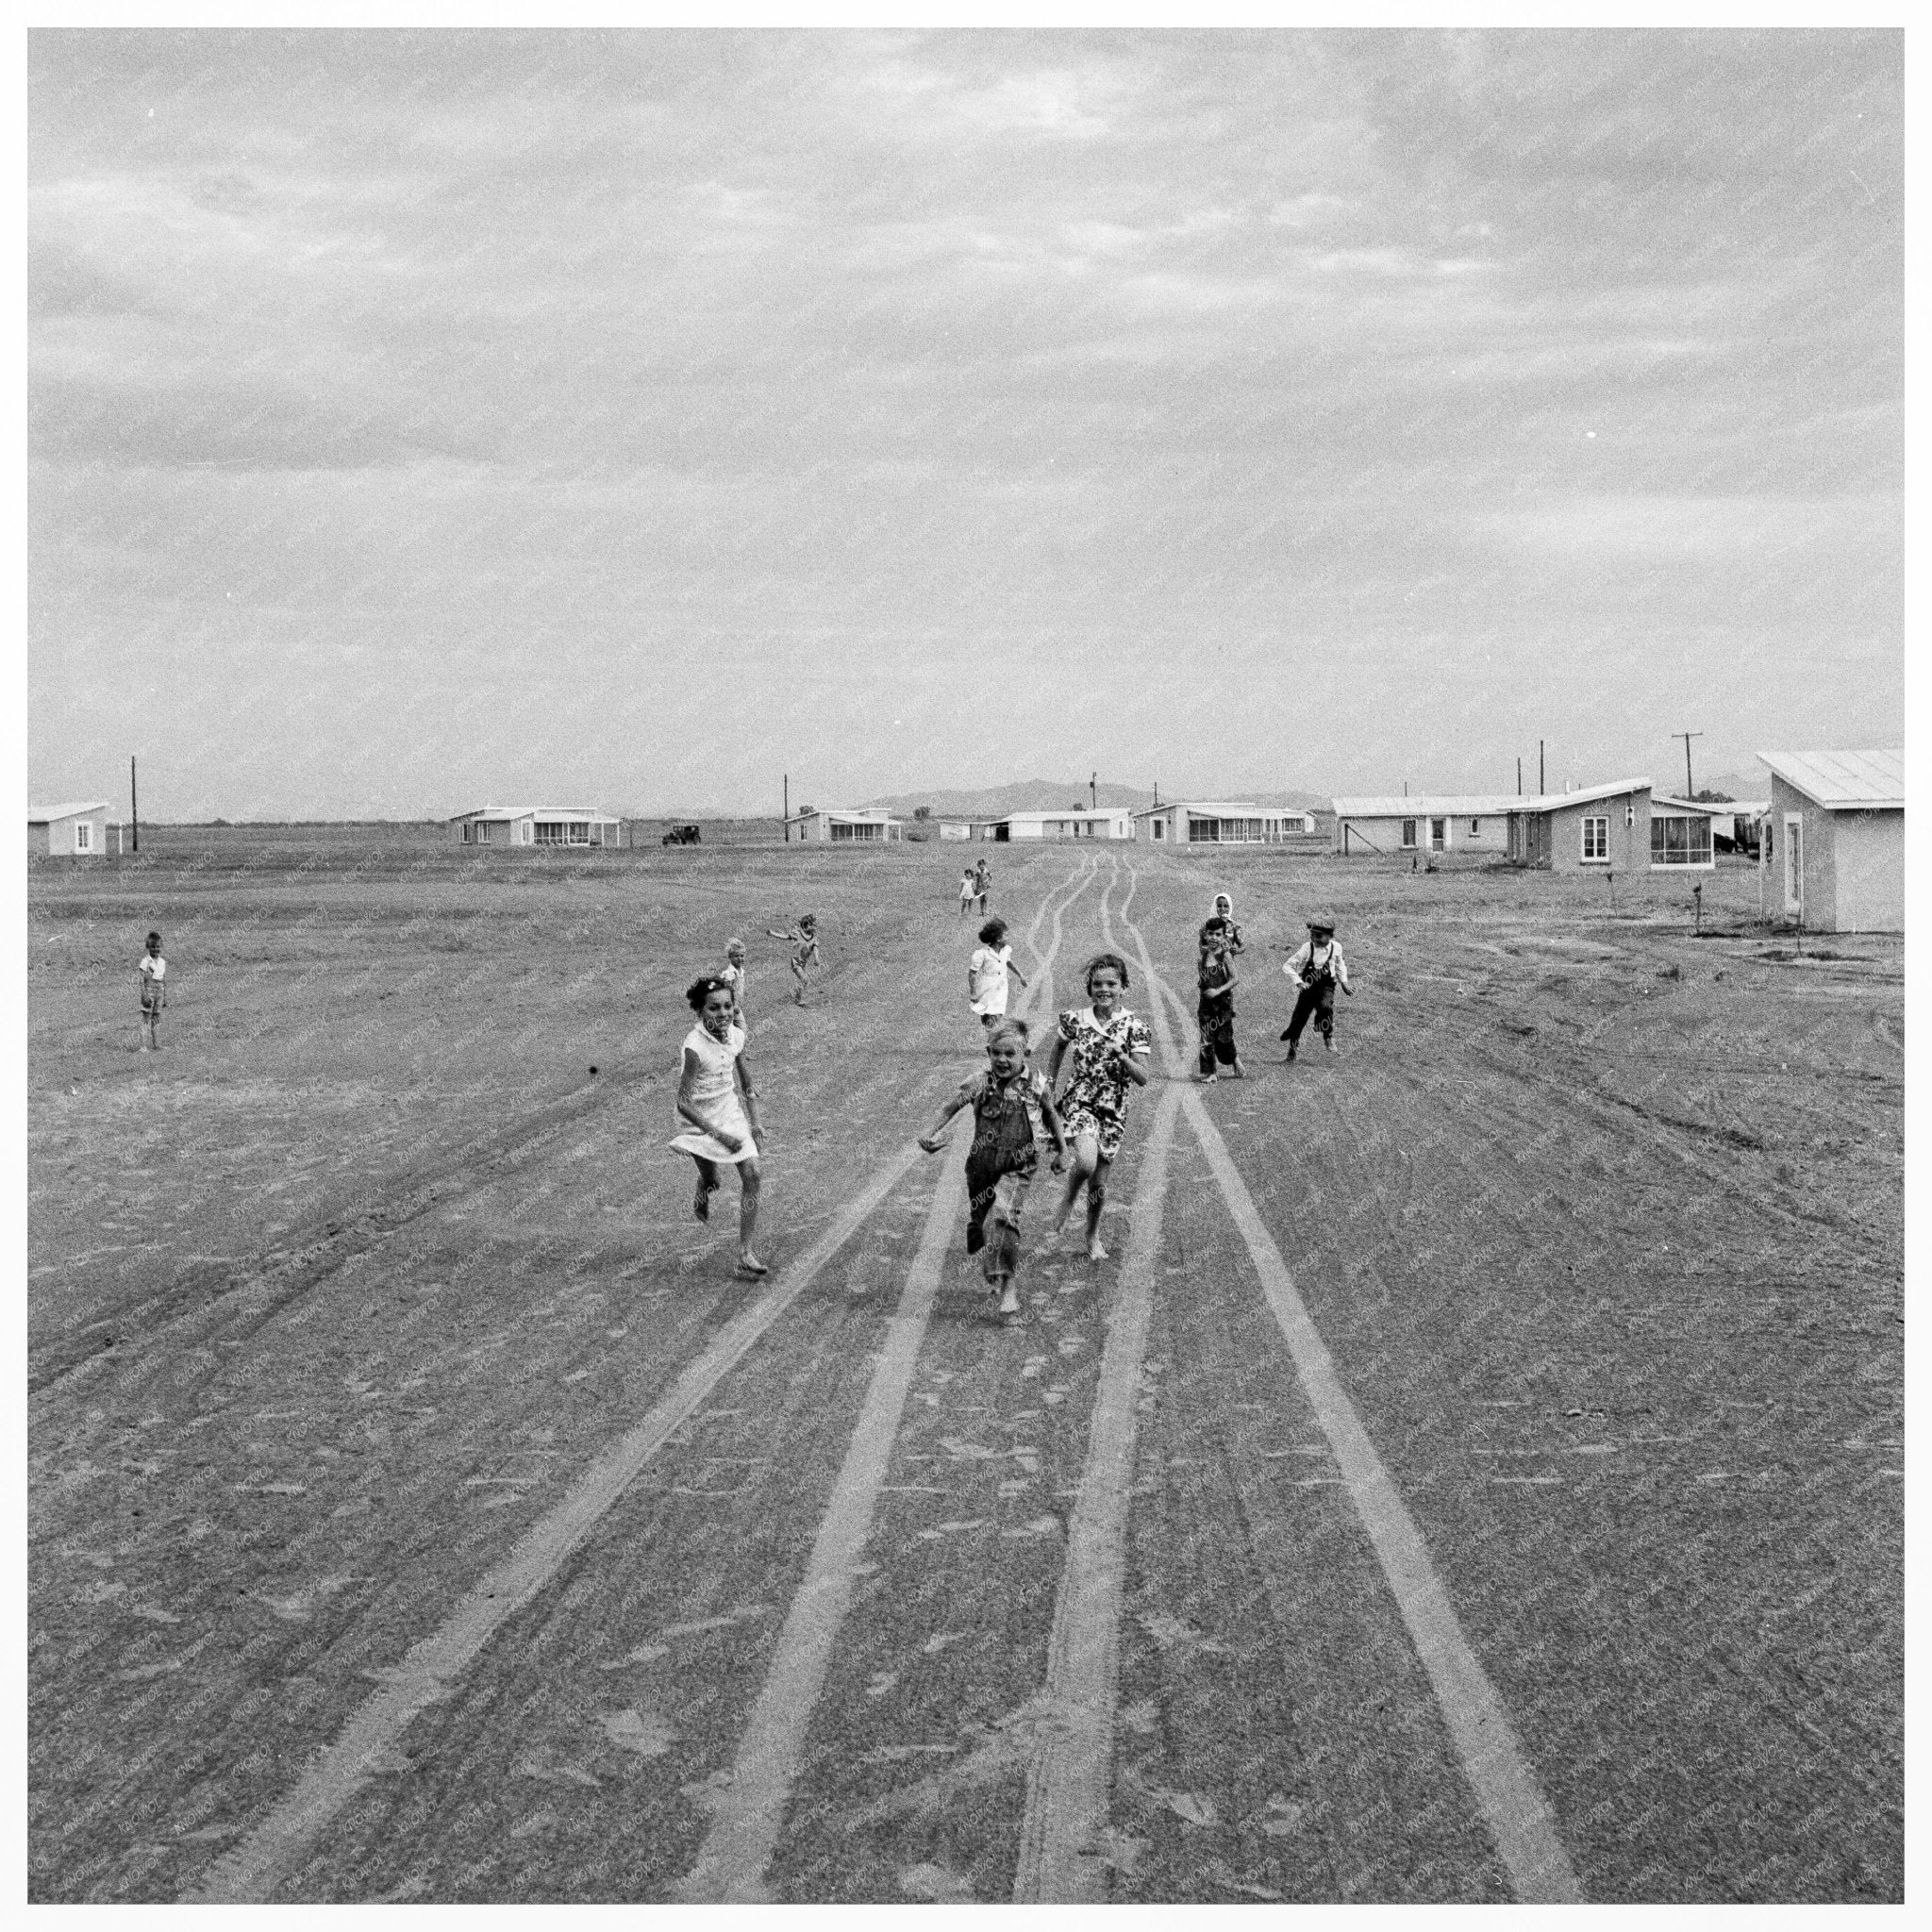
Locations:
(983, 879)
(969, 890)
(1110, 1048)
(805, 951)
(987, 972)
(733, 976)
(719, 1106)
(151, 970)
(1317, 968)
(1013, 1111)
(1222, 920)
(1215, 1007)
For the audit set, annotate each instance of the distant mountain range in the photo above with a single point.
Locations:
(1043, 794)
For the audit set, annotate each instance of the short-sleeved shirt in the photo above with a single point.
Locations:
(154, 973)
(990, 978)
(1094, 1099)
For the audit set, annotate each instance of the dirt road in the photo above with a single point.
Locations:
(1474, 1472)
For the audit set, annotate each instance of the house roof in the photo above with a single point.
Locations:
(1478, 805)
(1586, 795)
(1070, 811)
(497, 814)
(1690, 805)
(41, 814)
(1843, 780)
(877, 813)
(1217, 807)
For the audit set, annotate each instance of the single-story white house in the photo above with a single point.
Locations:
(67, 830)
(1219, 821)
(1429, 822)
(866, 826)
(1682, 833)
(1074, 822)
(1594, 828)
(1835, 837)
(538, 825)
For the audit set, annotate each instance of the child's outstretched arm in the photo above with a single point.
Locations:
(931, 1143)
(1052, 1060)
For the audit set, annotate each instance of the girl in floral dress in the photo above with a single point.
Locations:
(1108, 1048)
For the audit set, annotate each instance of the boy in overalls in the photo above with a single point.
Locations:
(1012, 1109)
(1317, 968)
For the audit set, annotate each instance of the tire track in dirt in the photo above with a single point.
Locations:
(1070, 1774)
(1512, 1802)
(273, 1849)
(749, 1811)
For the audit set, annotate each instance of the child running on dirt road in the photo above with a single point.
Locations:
(988, 971)
(153, 972)
(1317, 968)
(1013, 1111)
(1109, 1047)
(805, 951)
(1215, 1007)
(716, 1100)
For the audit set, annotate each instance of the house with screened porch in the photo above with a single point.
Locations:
(537, 824)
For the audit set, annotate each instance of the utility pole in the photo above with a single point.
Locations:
(134, 803)
(1687, 737)
(787, 807)
(1541, 788)
(1519, 778)
(1094, 790)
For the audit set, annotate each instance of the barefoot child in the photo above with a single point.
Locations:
(1109, 1047)
(805, 950)
(1012, 1109)
(969, 890)
(717, 1103)
(987, 972)
(1214, 1009)
(153, 972)
(1317, 969)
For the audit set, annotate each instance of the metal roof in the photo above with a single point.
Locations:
(1219, 808)
(873, 813)
(1843, 780)
(1690, 805)
(502, 812)
(42, 814)
(1480, 805)
(1585, 794)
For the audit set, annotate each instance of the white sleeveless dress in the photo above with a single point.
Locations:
(714, 1095)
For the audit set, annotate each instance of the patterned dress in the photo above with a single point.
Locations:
(1095, 1099)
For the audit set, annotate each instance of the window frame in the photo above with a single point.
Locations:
(1586, 856)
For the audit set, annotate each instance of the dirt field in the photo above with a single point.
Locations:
(1475, 1472)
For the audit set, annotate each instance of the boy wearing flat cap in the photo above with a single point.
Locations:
(1317, 968)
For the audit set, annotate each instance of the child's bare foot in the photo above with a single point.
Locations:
(1096, 1250)
(750, 1267)
(1009, 1302)
(701, 1200)
(1235, 1073)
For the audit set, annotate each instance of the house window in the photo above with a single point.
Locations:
(1475, 827)
(1679, 839)
(1596, 840)
(83, 835)
(1160, 828)
(1408, 835)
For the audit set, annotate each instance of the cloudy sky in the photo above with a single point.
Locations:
(424, 418)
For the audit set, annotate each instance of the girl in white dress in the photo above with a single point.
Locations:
(719, 1106)
(988, 971)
